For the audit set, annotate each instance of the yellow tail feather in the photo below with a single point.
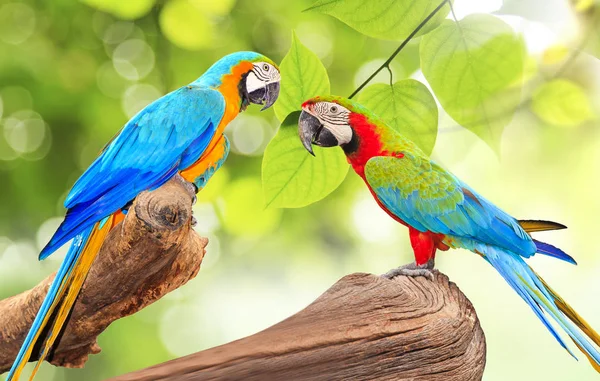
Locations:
(27, 354)
(565, 308)
(570, 313)
(73, 283)
(531, 226)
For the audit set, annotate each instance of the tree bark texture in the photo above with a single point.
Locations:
(152, 252)
(365, 327)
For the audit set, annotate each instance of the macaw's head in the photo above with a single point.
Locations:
(330, 121)
(247, 77)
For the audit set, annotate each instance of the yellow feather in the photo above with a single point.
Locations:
(27, 354)
(74, 282)
(570, 313)
(531, 226)
(565, 308)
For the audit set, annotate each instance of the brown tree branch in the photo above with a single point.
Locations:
(152, 252)
(365, 327)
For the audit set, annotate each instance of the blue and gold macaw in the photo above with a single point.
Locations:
(178, 134)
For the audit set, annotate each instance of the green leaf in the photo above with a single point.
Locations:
(408, 107)
(475, 69)
(303, 76)
(562, 103)
(292, 178)
(384, 19)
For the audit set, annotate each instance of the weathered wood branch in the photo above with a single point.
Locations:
(152, 252)
(365, 327)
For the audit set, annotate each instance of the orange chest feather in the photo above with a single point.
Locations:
(231, 92)
(229, 88)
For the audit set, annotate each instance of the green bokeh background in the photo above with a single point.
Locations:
(72, 73)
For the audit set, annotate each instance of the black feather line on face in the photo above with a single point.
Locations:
(243, 91)
(260, 75)
(352, 145)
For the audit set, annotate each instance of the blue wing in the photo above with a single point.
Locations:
(168, 135)
(428, 198)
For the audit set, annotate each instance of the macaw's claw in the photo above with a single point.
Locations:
(191, 188)
(413, 270)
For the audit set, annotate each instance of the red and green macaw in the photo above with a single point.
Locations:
(440, 211)
(180, 134)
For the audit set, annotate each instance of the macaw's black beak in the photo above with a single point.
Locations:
(311, 131)
(265, 95)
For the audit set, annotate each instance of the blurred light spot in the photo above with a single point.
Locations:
(207, 218)
(138, 96)
(88, 153)
(316, 36)
(46, 230)
(464, 8)
(182, 329)
(117, 32)
(5, 242)
(538, 37)
(16, 98)
(383, 76)
(186, 25)
(43, 149)
(7, 153)
(16, 257)
(100, 22)
(17, 23)
(249, 134)
(371, 222)
(109, 81)
(133, 59)
(24, 131)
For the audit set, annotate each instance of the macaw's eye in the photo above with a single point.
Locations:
(266, 67)
(333, 109)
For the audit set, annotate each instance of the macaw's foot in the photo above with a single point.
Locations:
(413, 270)
(191, 188)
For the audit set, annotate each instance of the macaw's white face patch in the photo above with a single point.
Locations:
(335, 118)
(262, 74)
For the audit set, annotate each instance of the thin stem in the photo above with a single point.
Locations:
(391, 76)
(386, 64)
(452, 11)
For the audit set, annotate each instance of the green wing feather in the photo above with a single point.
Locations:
(429, 198)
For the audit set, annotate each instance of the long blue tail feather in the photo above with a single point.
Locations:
(542, 300)
(54, 292)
